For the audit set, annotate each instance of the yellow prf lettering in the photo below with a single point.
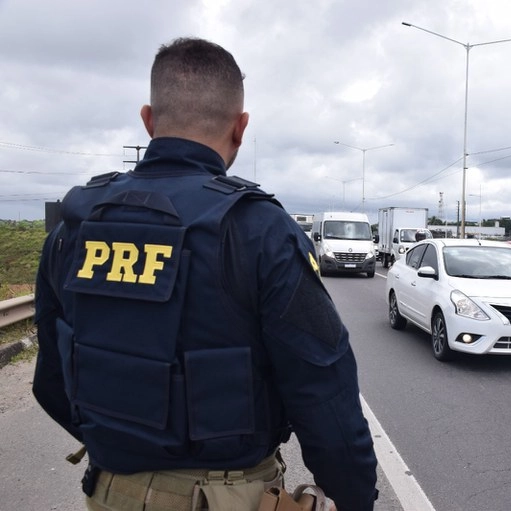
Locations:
(125, 256)
(98, 253)
(152, 263)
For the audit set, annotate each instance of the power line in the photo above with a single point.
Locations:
(492, 161)
(68, 173)
(12, 145)
(15, 198)
(424, 181)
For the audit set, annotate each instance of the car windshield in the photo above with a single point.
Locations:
(347, 230)
(478, 262)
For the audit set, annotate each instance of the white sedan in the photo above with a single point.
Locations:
(459, 291)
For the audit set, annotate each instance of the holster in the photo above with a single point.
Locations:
(277, 499)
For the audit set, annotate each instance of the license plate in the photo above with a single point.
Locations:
(350, 265)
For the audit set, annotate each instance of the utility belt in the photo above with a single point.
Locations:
(187, 490)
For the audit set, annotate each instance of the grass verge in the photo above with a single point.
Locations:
(17, 331)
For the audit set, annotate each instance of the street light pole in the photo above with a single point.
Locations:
(480, 195)
(467, 47)
(364, 150)
(344, 181)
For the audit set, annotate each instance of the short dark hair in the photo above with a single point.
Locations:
(195, 84)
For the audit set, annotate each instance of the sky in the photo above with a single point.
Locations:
(74, 76)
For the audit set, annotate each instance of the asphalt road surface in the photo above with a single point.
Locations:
(449, 422)
(34, 475)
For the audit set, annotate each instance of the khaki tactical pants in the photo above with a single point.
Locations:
(186, 490)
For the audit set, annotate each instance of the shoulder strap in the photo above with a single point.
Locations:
(102, 179)
(230, 184)
(235, 184)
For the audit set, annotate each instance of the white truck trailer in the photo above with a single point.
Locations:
(398, 229)
(304, 221)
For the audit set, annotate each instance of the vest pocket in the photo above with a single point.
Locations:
(122, 386)
(220, 393)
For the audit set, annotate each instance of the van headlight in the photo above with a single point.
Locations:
(466, 307)
(369, 254)
(328, 251)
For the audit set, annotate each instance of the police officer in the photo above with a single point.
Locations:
(183, 329)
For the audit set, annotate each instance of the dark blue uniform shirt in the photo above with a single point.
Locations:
(269, 273)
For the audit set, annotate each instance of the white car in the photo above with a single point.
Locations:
(459, 291)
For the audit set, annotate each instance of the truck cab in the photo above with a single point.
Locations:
(403, 238)
(397, 229)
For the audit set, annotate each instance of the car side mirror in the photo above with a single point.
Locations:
(428, 272)
(317, 236)
(376, 238)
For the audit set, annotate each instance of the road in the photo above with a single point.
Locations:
(448, 422)
(34, 475)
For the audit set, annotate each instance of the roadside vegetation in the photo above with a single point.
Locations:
(20, 249)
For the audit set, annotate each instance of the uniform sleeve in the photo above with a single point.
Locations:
(314, 366)
(48, 385)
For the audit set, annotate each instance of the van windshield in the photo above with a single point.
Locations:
(346, 230)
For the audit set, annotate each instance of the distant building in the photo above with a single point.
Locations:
(471, 231)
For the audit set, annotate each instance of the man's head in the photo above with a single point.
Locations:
(197, 94)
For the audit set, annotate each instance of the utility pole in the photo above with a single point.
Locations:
(441, 213)
(138, 148)
(458, 220)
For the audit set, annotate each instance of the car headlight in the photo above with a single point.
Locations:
(370, 254)
(466, 307)
(401, 250)
(328, 251)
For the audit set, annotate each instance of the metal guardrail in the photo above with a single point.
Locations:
(16, 309)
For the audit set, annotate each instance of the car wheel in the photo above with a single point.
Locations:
(397, 322)
(370, 274)
(439, 339)
(385, 261)
(321, 269)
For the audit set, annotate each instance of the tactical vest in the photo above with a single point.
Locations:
(163, 370)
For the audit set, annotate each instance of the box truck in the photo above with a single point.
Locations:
(304, 221)
(343, 243)
(398, 229)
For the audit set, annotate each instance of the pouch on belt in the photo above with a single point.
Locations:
(235, 492)
(277, 499)
(236, 497)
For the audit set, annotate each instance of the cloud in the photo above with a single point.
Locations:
(75, 74)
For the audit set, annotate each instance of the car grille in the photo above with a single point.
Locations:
(349, 257)
(505, 310)
(504, 343)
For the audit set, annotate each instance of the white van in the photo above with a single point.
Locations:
(344, 243)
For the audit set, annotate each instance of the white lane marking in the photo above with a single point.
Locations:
(407, 489)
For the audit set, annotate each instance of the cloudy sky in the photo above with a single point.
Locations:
(75, 74)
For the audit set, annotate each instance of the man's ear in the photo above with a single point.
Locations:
(239, 129)
(147, 117)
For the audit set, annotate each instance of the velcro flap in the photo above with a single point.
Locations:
(138, 261)
(110, 383)
(220, 392)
